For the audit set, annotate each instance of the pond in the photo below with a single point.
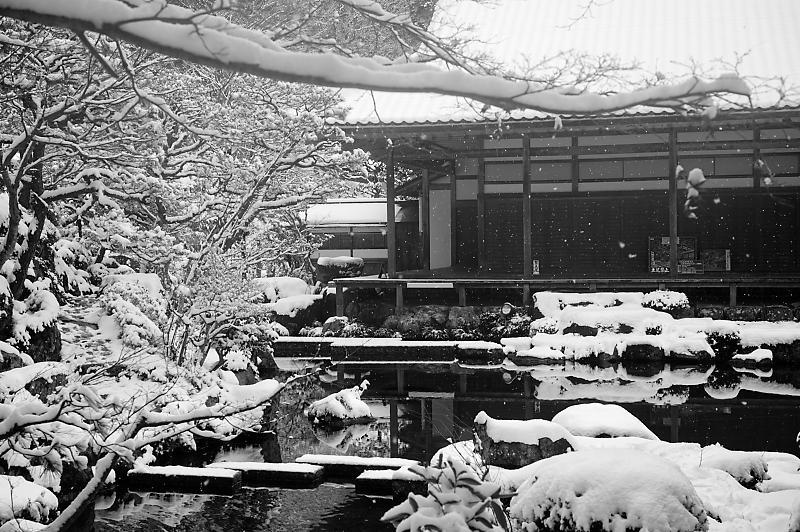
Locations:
(420, 411)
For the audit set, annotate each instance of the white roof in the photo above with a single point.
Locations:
(358, 212)
(663, 36)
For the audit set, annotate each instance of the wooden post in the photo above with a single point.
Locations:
(672, 198)
(527, 224)
(339, 300)
(394, 429)
(398, 294)
(732, 295)
(425, 218)
(453, 217)
(391, 230)
(462, 383)
(526, 294)
(576, 172)
(481, 216)
(756, 157)
(401, 381)
(462, 295)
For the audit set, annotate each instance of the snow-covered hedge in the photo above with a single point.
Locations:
(275, 288)
(37, 311)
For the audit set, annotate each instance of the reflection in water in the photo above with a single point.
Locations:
(328, 508)
(420, 412)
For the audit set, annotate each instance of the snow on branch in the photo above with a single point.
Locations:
(212, 40)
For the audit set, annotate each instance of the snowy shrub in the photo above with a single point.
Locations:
(143, 290)
(21, 498)
(665, 300)
(747, 467)
(607, 490)
(493, 326)
(457, 501)
(37, 311)
(355, 330)
(341, 408)
(71, 262)
(544, 325)
(237, 360)
(725, 344)
(276, 288)
(464, 335)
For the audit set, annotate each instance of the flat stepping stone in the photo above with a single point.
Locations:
(390, 482)
(182, 479)
(261, 474)
(349, 467)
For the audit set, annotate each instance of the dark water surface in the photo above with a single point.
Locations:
(419, 411)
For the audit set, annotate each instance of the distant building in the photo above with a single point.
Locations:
(357, 228)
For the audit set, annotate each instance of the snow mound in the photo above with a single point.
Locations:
(665, 300)
(518, 431)
(608, 490)
(551, 303)
(343, 405)
(748, 468)
(595, 419)
(20, 498)
(275, 288)
(291, 305)
(758, 356)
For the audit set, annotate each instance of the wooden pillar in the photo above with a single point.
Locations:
(401, 381)
(462, 383)
(757, 174)
(576, 173)
(672, 198)
(339, 300)
(391, 230)
(732, 295)
(462, 295)
(481, 216)
(527, 224)
(453, 218)
(394, 429)
(398, 298)
(425, 218)
(526, 295)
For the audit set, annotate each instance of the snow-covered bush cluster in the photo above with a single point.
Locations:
(35, 312)
(665, 300)
(341, 408)
(618, 476)
(138, 304)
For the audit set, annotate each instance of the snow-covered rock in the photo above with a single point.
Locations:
(515, 443)
(596, 419)
(608, 490)
(341, 408)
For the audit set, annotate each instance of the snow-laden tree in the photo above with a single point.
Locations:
(203, 36)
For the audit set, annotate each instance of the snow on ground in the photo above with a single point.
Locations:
(748, 468)
(620, 490)
(596, 419)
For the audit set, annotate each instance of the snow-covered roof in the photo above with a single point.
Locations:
(358, 211)
(664, 37)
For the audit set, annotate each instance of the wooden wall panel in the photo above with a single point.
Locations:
(504, 253)
(466, 241)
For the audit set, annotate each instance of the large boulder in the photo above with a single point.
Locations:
(514, 443)
(607, 490)
(336, 267)
(464, 317)
(372, 312)
(414, 319)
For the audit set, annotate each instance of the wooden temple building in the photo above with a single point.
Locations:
(593, 204)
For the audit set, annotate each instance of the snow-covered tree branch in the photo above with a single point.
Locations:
(206, 38)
